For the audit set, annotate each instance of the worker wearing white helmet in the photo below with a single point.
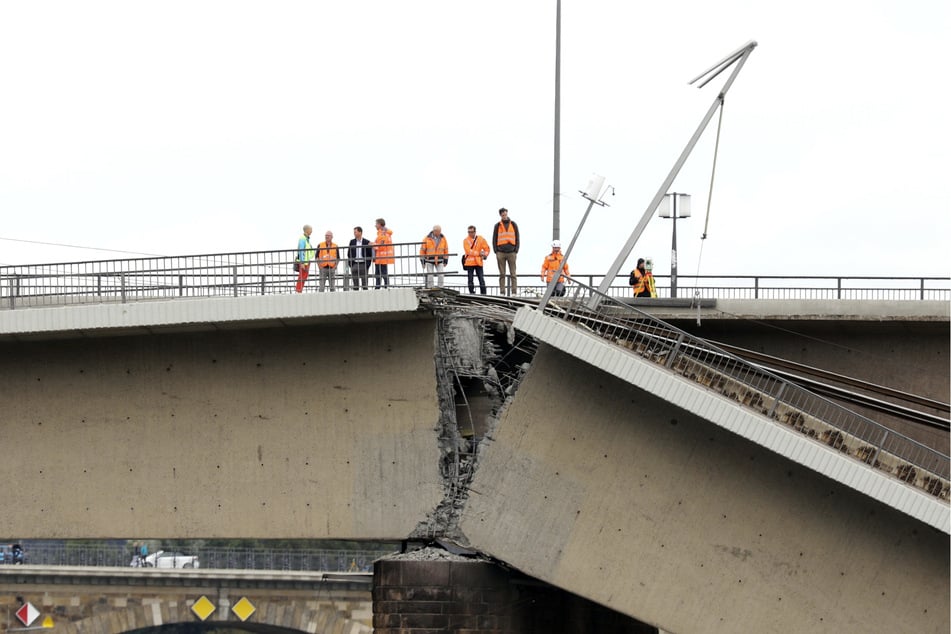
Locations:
(551, 265)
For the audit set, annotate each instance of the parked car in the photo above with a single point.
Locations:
(11, 554)
(162, 559)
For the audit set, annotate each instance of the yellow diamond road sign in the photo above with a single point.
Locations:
(243, 609)
(203, 608)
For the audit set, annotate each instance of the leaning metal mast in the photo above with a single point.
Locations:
(739, 57)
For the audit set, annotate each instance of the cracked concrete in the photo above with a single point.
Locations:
(478, 367)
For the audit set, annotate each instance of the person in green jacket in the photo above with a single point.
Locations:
(305, 253)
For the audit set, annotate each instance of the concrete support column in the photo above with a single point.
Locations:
(477, 597)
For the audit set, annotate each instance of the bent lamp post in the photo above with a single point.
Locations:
(592, 194)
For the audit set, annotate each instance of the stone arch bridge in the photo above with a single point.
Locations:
(77, 600)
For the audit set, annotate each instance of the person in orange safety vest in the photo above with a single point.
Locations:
(383, 253)
(434, 255)
(642, 281)
(474, 251)
(505, 242)
(328, 255)
(550, 266)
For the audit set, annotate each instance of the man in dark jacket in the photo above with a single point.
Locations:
(359, 256)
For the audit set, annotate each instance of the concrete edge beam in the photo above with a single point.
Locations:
(203, 313)
(730, 415)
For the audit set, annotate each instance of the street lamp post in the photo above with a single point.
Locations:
(674, 205)
(592, 194)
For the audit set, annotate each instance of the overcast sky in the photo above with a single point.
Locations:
(198, 127)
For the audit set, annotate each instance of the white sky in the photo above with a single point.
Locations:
(198, 127)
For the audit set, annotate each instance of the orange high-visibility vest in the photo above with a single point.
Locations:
(550, 266)
(431, 249)
(383, 250)
(474, 250)
(506, 236)
(640, 282)
(327, 255)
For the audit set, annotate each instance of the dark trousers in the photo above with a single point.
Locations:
(478, 271)
(358, 275)
(381, 275)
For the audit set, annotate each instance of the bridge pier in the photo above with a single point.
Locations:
(444, 593)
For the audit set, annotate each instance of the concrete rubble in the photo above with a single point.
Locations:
(479, 362)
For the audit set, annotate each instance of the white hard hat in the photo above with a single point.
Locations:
(556, 244)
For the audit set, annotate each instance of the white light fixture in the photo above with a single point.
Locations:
(594, 188)
(665, 209)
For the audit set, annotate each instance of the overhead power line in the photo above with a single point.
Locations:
(76, 246)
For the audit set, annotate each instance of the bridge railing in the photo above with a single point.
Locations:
(328, 560)
(230, 558)
(190, 276)
(755, 388)
(825, 287)
(271, 272)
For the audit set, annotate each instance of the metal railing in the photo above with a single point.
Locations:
(755, 388)
(191, 276)
(271, 272)
(823, 287)
(217, 558)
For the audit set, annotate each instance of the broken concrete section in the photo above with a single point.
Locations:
(479, 362)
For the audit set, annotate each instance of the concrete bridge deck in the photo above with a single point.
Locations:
(331, 416)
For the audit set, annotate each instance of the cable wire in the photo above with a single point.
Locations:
(76, 246)
(706, 222)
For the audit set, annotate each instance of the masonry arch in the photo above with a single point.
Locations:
(215, 628)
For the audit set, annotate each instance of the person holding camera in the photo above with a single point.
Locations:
(642, 281)
(475, 249)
